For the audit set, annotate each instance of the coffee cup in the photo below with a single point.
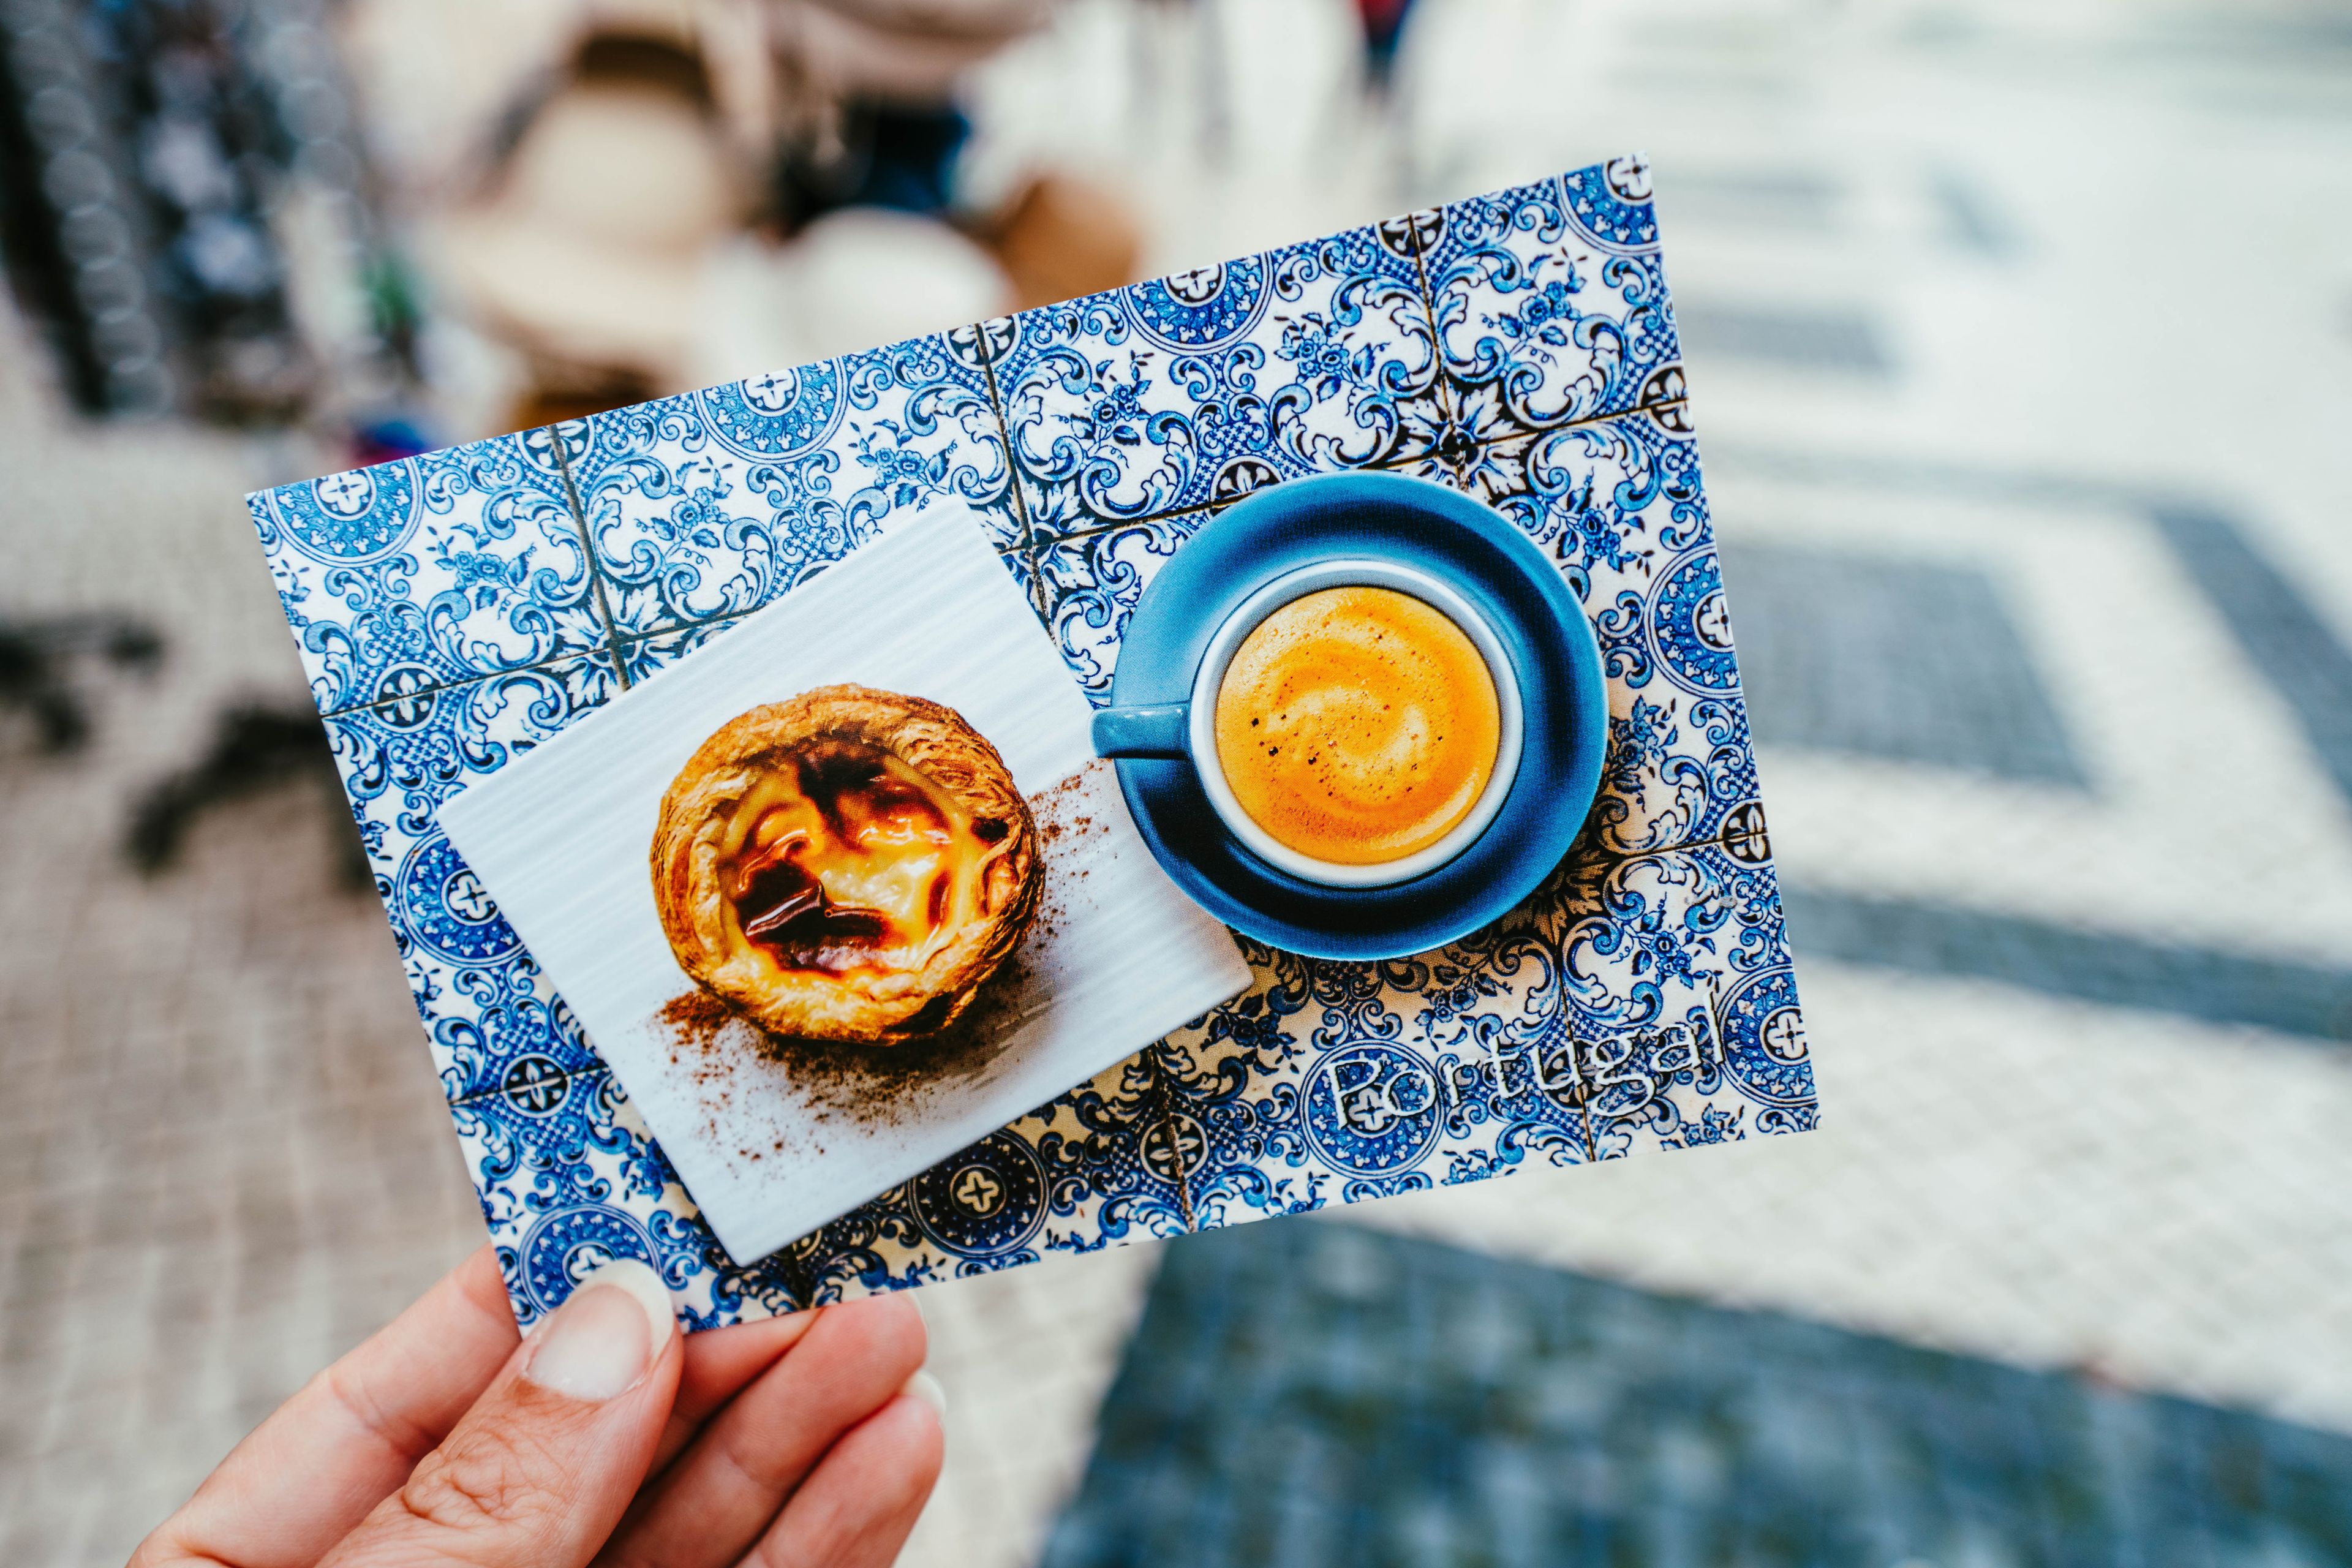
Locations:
(1395, 783)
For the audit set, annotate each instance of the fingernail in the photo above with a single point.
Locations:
(605, 1336)
(922, 1385)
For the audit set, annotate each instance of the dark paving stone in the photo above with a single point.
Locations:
(1899, 660)
(1301, 1393)
(2280, 631)
(1929, 939)
(1971, 219)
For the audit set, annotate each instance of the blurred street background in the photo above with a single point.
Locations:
(2020, 341)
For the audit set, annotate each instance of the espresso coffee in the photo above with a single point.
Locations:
(1356, 725)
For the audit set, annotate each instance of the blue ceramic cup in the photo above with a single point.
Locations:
(1440, 545)
(1188, 730)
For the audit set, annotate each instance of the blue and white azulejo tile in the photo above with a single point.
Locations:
(1685, 1074)
(1632, 1003)
(569, 1177)
(570, 1180)
(709, 505)
(640, 657)
(430, 571)
(455, 610)
(1089, 584)
(1619, 505)
(1551, 302)
(487, 1011)
(1193, 390)
(1311, 1090)
(1608, 499)
(1331, 1082)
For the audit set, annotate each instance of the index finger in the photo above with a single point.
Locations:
(303, 1479)
(720, 1363)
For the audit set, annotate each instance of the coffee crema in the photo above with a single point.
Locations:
(1358, 725)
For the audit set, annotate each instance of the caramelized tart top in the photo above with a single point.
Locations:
(848, 865)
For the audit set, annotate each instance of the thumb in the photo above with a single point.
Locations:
(536, 1474)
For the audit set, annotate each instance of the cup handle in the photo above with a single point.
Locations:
(1156, 730)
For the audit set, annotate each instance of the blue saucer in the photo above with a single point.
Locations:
(1451, 537)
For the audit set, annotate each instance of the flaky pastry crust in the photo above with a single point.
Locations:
(867, 1004)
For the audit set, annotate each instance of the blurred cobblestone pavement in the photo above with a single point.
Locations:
(1316, 1393)
(223, 1157)
(1986, 306)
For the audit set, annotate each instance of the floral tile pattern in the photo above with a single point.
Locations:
(489, 1016)
(1078, 1175)
(1193, 390)
(570, 1180)
(640, 656)
(429, 570)
(1551, 302)
(457, 609)
(1710, 1048)
(1619, 503)
(711, 503)
(1089, 585)
(1630, 1004)
(1306, 1092)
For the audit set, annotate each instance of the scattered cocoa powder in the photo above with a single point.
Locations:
(861, 1083)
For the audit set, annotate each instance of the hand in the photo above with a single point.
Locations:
(607, 1436)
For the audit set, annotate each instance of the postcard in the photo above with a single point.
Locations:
(851, 827)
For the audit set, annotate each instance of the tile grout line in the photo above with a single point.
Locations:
(1028, 544)
(1004, 429)
(1715, 998)
(1384, 466)
(1436, 343)
(714, 622)
(1437, 364)
(588, 551)
(1030, 550)
(1187, 1212)
(535, 668)
(1582, 421)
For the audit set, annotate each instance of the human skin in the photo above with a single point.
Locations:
(605, 1437)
